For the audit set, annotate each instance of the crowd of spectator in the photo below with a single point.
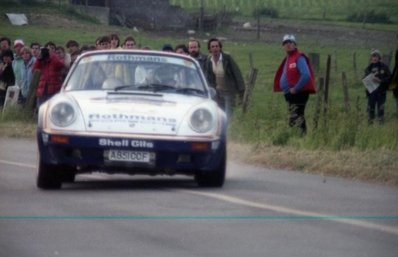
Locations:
(19, 62)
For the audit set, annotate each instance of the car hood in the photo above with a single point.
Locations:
(143, 113)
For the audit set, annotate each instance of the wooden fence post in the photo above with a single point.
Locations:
(354, 60)
(201, 17)
(250, 85)
(326, 94)
(335, 61)
(258, 27)
(314, 57)
(318, 103)
(386, 59)
(249, 89)
(250, 61)
(345, 92)
(327, 79)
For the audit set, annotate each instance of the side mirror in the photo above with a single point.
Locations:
(213, 93)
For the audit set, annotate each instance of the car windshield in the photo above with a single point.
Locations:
(136, 72)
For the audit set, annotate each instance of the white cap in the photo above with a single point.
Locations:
(289, 37)
(19, 42)
(375, 52)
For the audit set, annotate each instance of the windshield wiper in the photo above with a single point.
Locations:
(189, 91)
(156, 87)
(124, 87)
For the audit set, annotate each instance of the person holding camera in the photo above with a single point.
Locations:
(50, 82)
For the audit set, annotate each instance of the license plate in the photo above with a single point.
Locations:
(129, 156)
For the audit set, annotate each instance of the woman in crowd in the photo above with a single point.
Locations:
(26, 75)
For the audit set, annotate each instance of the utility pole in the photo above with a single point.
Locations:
(258, 26)
(201, 16)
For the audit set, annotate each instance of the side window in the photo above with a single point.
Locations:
(75, 81)
(95, 76)
(193, 79)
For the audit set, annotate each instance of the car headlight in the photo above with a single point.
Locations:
(63, 114)
(201, 120)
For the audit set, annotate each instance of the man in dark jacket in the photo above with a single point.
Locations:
(194, 51)
(224, 75)
(7, 77)
(377, 98)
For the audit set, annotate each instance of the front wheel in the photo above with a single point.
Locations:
(48, 176)
(68, 174)
(214, 178)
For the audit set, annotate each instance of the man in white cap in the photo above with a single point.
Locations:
(377, 98)
(295, 78)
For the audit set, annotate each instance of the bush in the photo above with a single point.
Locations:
(266, 11)
(369, 17)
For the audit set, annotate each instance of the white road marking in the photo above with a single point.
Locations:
(18, 164)
(290, 211)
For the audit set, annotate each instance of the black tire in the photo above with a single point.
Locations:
(214, 178)
(68, 174)
(48, 177)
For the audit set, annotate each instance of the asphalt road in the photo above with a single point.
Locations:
(259, 212)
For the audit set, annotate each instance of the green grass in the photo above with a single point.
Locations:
(266, 120)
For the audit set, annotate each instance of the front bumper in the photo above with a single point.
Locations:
(88, 153)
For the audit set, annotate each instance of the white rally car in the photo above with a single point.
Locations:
(133, 112)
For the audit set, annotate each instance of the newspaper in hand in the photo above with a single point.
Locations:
(370, 84)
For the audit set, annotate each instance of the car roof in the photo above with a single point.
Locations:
(137, 51)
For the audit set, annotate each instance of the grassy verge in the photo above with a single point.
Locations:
(18, 129)
(377, 166)
(17, 122)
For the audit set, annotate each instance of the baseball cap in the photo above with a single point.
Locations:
(375, 52)
(18, 42)
(289, 38)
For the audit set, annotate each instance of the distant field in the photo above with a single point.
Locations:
(302, 9)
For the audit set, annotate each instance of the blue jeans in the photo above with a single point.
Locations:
(376, 101)
(297, 103)
(227, 102)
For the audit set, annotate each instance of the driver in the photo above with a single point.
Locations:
(166, 75)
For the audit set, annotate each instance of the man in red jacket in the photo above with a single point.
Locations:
(295, 78)
(50, 81)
